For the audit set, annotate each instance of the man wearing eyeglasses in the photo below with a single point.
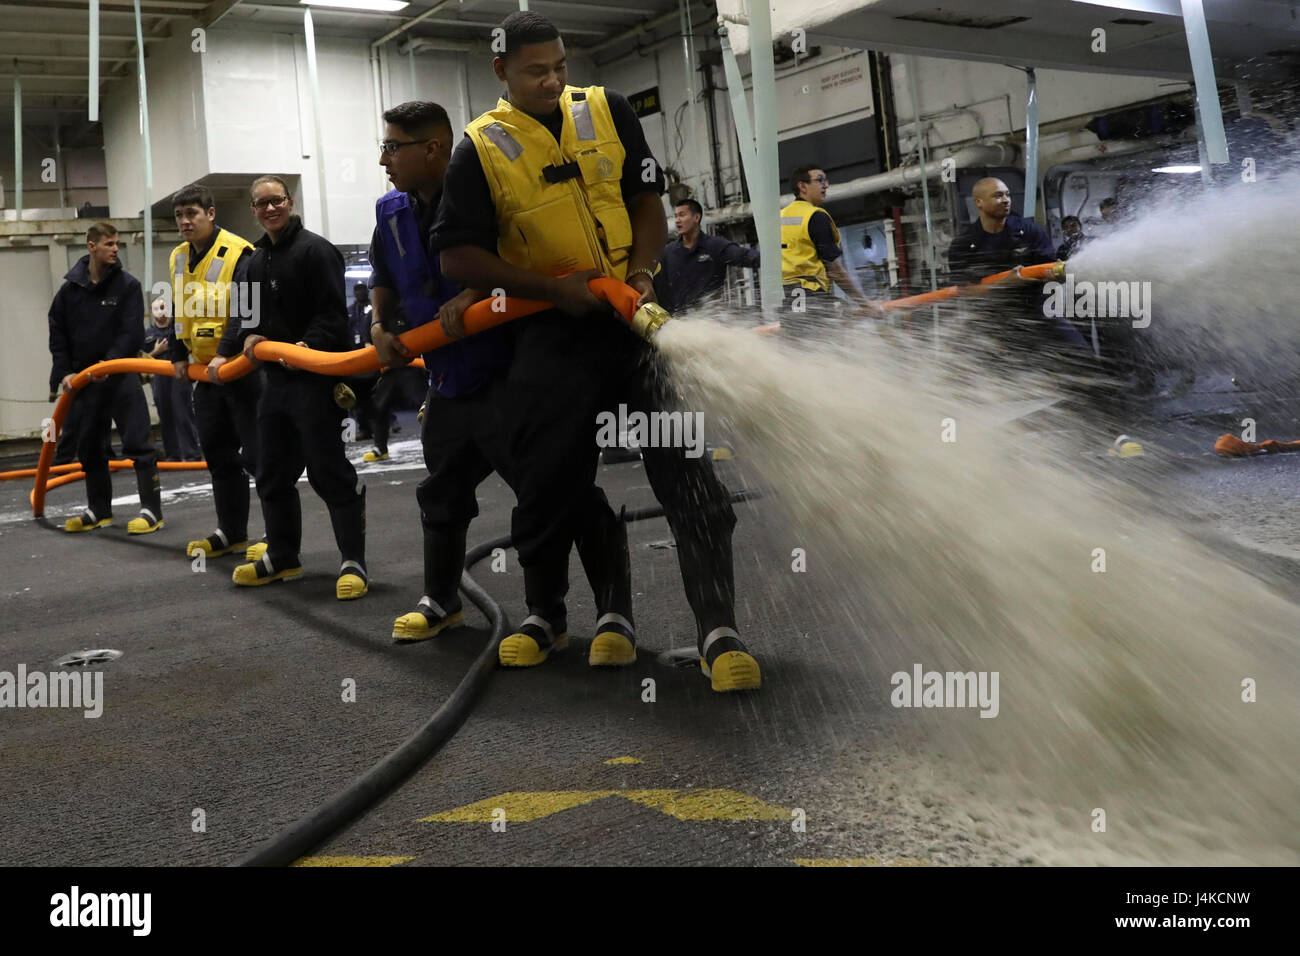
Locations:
(303, 302)
(409, 290)
(811, 259)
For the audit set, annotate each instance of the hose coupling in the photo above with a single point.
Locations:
(649, 319)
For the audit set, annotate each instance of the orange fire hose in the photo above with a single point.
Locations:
(479, 317)
(1045, 271)
(1233, 447)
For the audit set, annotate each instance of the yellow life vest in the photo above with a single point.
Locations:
(800, 262)
(559, 205)
(201, 297)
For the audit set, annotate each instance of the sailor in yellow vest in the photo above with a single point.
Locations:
(811, 260)
(210, 291)
(552, 187)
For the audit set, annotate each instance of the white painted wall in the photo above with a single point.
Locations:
(948, 85)
(176, 127)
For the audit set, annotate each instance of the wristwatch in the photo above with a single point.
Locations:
(648, 270)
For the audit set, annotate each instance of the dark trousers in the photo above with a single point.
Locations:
(65, 452)
(398, 388)
(119, 400)
(363, 386)
(565, 371)
(465, 439)
(227, 426)
(174, 399)
(301, 427)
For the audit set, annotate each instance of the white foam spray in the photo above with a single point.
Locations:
(1121, 690)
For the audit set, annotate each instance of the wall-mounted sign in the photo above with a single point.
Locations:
(645, 103)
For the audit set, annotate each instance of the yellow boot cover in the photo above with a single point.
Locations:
(426, 621)
(614, 644)
(531, 644)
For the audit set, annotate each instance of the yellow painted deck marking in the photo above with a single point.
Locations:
(861, 861)
(706, 804)
(683, 804)
(621, 760)
(519, 807)
(351, 860)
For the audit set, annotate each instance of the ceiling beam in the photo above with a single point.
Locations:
(216, 10)
(65, 37)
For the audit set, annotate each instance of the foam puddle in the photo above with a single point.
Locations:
(1119, 690)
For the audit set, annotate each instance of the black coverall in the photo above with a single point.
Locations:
(226, 415)
(303, 300)
(565, 370)
(94, 322)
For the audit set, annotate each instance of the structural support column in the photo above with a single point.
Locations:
(765, 190)
(313, 81)
(18, 143)
(739, 110)
(1207, 90)
(1202, 154)
(58, 167)
(925, 173)
(147, 213)
(93, 92)
(1031, 147)
(688, 56)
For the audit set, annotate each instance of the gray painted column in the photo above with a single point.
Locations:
(147, 224)
(765, 194)
(1031, 147)
(1207, 91)
(313, 81)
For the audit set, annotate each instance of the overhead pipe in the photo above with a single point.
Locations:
(628, 34)
(987, 154)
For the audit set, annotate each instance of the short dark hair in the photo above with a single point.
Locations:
(1073, 219)
(415, 116)
(194, 195)
(523, 27)
(802, 175)
(1108, 201)
(695, 206)
(100, 230)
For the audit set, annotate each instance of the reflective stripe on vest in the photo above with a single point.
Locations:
(559, 206)
(201, 306)
(800, 262)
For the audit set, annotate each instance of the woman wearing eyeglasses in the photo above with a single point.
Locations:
(300, 278)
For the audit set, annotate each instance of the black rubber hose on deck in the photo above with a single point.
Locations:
(298, 839)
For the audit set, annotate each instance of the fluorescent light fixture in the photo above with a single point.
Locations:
(1168, 7)
(373, 6)
(1184, 170)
